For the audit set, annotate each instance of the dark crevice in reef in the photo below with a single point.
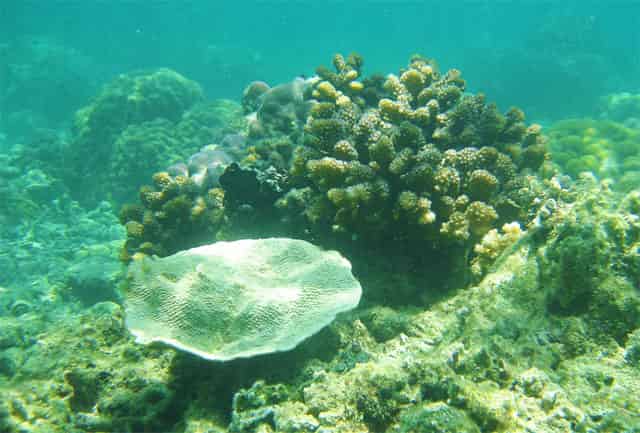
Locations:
(214, 384)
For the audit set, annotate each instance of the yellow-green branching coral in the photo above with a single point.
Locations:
(327, 172)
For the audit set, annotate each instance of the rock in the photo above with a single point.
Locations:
(8, 365)
(94, 279)
(20, 308)
(436, 418)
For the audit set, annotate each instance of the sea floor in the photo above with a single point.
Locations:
(497, 356)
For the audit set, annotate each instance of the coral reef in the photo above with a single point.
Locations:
(175, 214)
(605, 148)
(275, 116)
(409, 162)
(519, 351)
(191, 202)
(415, 161)
(492, 358)
(43, 81)
(137, 125)
(494, 243)
(136, 98)
(410, 178)
(590, 266)
(126, 400)
(197, 203)
(44, 232)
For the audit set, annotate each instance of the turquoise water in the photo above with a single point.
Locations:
(550, 58)
(485, 261)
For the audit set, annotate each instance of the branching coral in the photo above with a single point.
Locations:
(408, 159)
(420, 160)
(180, 210)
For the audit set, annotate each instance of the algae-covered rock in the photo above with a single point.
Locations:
(239, 299)
(582, 262)
(8, 363)
(632, 352)
(385, 323)
(491, 357)
(94, 279)
(436, 418)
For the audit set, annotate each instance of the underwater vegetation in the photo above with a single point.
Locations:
(499, 294)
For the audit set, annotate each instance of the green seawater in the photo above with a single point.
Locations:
(498, 249)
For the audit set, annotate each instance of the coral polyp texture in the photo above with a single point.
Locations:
(182, 208)
(239, 299)
(412, 157)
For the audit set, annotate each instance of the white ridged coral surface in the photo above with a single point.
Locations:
(238, 299)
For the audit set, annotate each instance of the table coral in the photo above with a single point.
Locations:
(238, 299)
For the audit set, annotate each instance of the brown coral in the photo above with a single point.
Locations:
(415, 160)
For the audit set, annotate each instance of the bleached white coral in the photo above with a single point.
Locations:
(238, 299)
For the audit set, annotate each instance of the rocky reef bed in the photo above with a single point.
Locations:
(547, 341)
(498, 295)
